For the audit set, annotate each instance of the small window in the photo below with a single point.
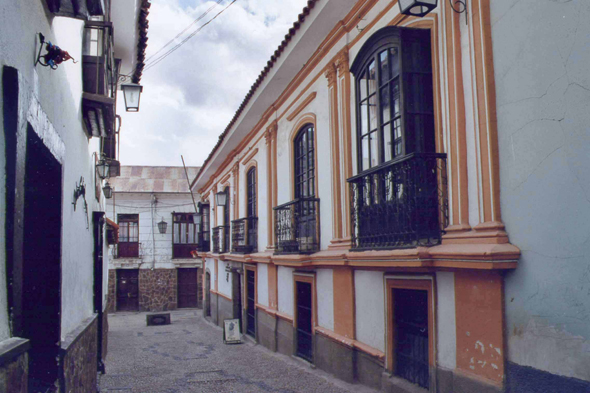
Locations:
(128, 235)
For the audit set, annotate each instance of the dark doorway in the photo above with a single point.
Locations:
(187, 288)
(98, 230)
(42, 261)
(251, 302)
(237, 297)
(411, 335)
(208, 294)
(304, 321)
(127, 290)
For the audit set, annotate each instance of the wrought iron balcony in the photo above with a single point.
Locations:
(402, 204)
(297, 226)
(221, 239)
(245, 235)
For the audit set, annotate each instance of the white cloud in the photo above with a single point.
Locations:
(190, 96)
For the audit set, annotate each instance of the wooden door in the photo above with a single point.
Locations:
(187, 288)
(207, 294)
(304, 321)
(251, 302)
(127, 290)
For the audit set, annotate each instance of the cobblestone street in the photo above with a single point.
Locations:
(189, 356)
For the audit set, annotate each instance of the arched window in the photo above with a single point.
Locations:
(251, 192)
(304, 163)
(394, 96)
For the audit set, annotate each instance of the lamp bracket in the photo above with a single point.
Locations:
(80, 191)
(54, 56)
(459, 6)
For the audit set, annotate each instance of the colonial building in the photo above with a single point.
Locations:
(151, 267)
(61, 63)
(402, 198)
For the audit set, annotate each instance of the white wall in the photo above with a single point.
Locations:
(262, 284)
(225, 281)
(446, 328)
(370, 308)
(541, 58)
(285, 289)
(325, 293)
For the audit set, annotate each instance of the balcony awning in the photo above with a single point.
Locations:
(99, 115)
(79, 9)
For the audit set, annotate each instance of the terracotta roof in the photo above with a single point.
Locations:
(153, 179)
(258, 82)
(143, 25)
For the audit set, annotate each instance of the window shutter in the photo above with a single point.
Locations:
(417, 91)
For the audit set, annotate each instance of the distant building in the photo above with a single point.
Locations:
(55, 125)
(150, 270)
(406, 198)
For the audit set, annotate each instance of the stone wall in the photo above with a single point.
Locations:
(111, 296)
(14, 366)
(79, 358)
(105, 335)
(157, 289)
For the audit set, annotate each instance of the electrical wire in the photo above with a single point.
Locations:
(177, 46)
(217, 2)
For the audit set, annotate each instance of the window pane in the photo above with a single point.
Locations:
(191, 233)
(372, 78)
(363, 86)
(176, 231)
(387, 142)
(133, 232)
(373, 112)
(374, 146)
(385, 109)
(365, 152)
(397, 137)
(394, 59)
(364, 117)
(384, 66)
(395, 94)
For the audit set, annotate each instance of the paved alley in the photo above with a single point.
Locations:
(189, 356)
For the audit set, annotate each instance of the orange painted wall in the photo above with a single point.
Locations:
(480, 322)
(343, 279)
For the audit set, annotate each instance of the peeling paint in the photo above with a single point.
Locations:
(480, 344)
(494, 366)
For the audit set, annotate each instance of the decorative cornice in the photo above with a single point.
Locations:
(341, 62)
(330, 74)
(302, 106)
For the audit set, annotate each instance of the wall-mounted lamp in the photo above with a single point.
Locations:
(131, 93)
(54, 56)
(108, 191)
(103, 168)
(221, 198)
(162, 225)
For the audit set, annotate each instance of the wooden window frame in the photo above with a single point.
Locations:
(252, 268)
(421, 283)
(310, 182)
(176, 247)
(127, 218)
(310, 278)
(252, 190)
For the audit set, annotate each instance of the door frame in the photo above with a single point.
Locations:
(254, 269)
(117, 290)
(422, 283)
(309, 278)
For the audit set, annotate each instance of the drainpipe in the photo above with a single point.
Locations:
(154, 201)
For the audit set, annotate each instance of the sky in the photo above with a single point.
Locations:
(190, 96)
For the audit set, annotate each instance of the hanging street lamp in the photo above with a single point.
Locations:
(103, 168)
(131, 93)
(417, 7)
(108, 191)
(221, 198)
(162, 225)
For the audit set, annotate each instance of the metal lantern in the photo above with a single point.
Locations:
(221, 198)
(162, 225)
(107, 190)
(103, 168)
(197, 218)
(131, 93)
(416, 7)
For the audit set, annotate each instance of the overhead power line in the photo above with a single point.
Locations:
(177, 46)
(183, 31)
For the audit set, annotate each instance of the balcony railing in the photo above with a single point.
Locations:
(297, 226)
(400, 205)
(245, 235)
(221, 239)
